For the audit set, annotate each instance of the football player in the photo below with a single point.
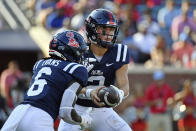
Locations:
(111, 66)
(55, 84)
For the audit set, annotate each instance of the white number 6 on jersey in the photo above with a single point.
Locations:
(39, 82)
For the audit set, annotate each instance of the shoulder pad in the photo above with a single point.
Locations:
(78, 71)
(122, 53)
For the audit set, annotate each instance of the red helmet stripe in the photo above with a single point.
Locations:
(111, 18)
(51, 51)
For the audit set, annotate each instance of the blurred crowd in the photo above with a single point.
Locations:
(160, 107)
(158, 32)
(13, 85)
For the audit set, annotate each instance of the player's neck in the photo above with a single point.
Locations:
(97, 50)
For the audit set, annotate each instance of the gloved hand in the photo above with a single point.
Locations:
(120, 93)
(87, 64)
(86, 120)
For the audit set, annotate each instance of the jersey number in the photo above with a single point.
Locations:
(40, 83)
(99, 79)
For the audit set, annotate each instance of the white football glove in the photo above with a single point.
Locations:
(120, 93)
(87, 64)
(86, 120)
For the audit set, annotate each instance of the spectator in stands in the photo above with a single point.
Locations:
(135, 2)
(157, 95)
(153, 26)
(160, 55)
(8, 79)
(143, 42)
(167, 13)
(194, 16)
(152, 3)
(77, 21)
(182, 51)
(128, 17)
(136, 113)
(192, 33)
(42, 9)
(52, 13)
(18, 90)
(181, 21)
(188, 122)
(165, 17)
(193, 58)
(63, 9)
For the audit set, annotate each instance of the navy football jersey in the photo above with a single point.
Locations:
(50, 79)
(103, 72)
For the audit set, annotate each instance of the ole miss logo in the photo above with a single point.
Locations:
(72, 41)
(70, 34)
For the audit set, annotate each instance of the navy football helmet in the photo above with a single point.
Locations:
(68, 45)
(101, 18)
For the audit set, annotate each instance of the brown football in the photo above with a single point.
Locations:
(109, 96)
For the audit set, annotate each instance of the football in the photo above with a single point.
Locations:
(109, 96)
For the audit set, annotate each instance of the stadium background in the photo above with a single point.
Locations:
(26, 28)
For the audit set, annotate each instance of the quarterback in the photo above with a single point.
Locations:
(110, 68)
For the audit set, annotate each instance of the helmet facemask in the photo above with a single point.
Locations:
(106, 34)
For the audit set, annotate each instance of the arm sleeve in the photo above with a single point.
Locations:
(66, 111)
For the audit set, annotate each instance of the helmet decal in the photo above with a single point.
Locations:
(70, 34)
(73, 42)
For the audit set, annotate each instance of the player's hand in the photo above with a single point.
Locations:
(87, 63)
(120, 93)
(86, 120)
(95, 98)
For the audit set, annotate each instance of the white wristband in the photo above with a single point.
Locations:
(88, 93)
(120, 92)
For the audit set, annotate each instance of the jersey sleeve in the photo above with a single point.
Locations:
(81, 74)
(78, 71)
(122, 55)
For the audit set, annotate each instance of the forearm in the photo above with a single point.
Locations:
(83, 91)
(69, 115)
(67, 112)
(124, 88)
(122, 80)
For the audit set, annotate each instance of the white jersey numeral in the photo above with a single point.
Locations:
(39, 82)
(101, 79)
